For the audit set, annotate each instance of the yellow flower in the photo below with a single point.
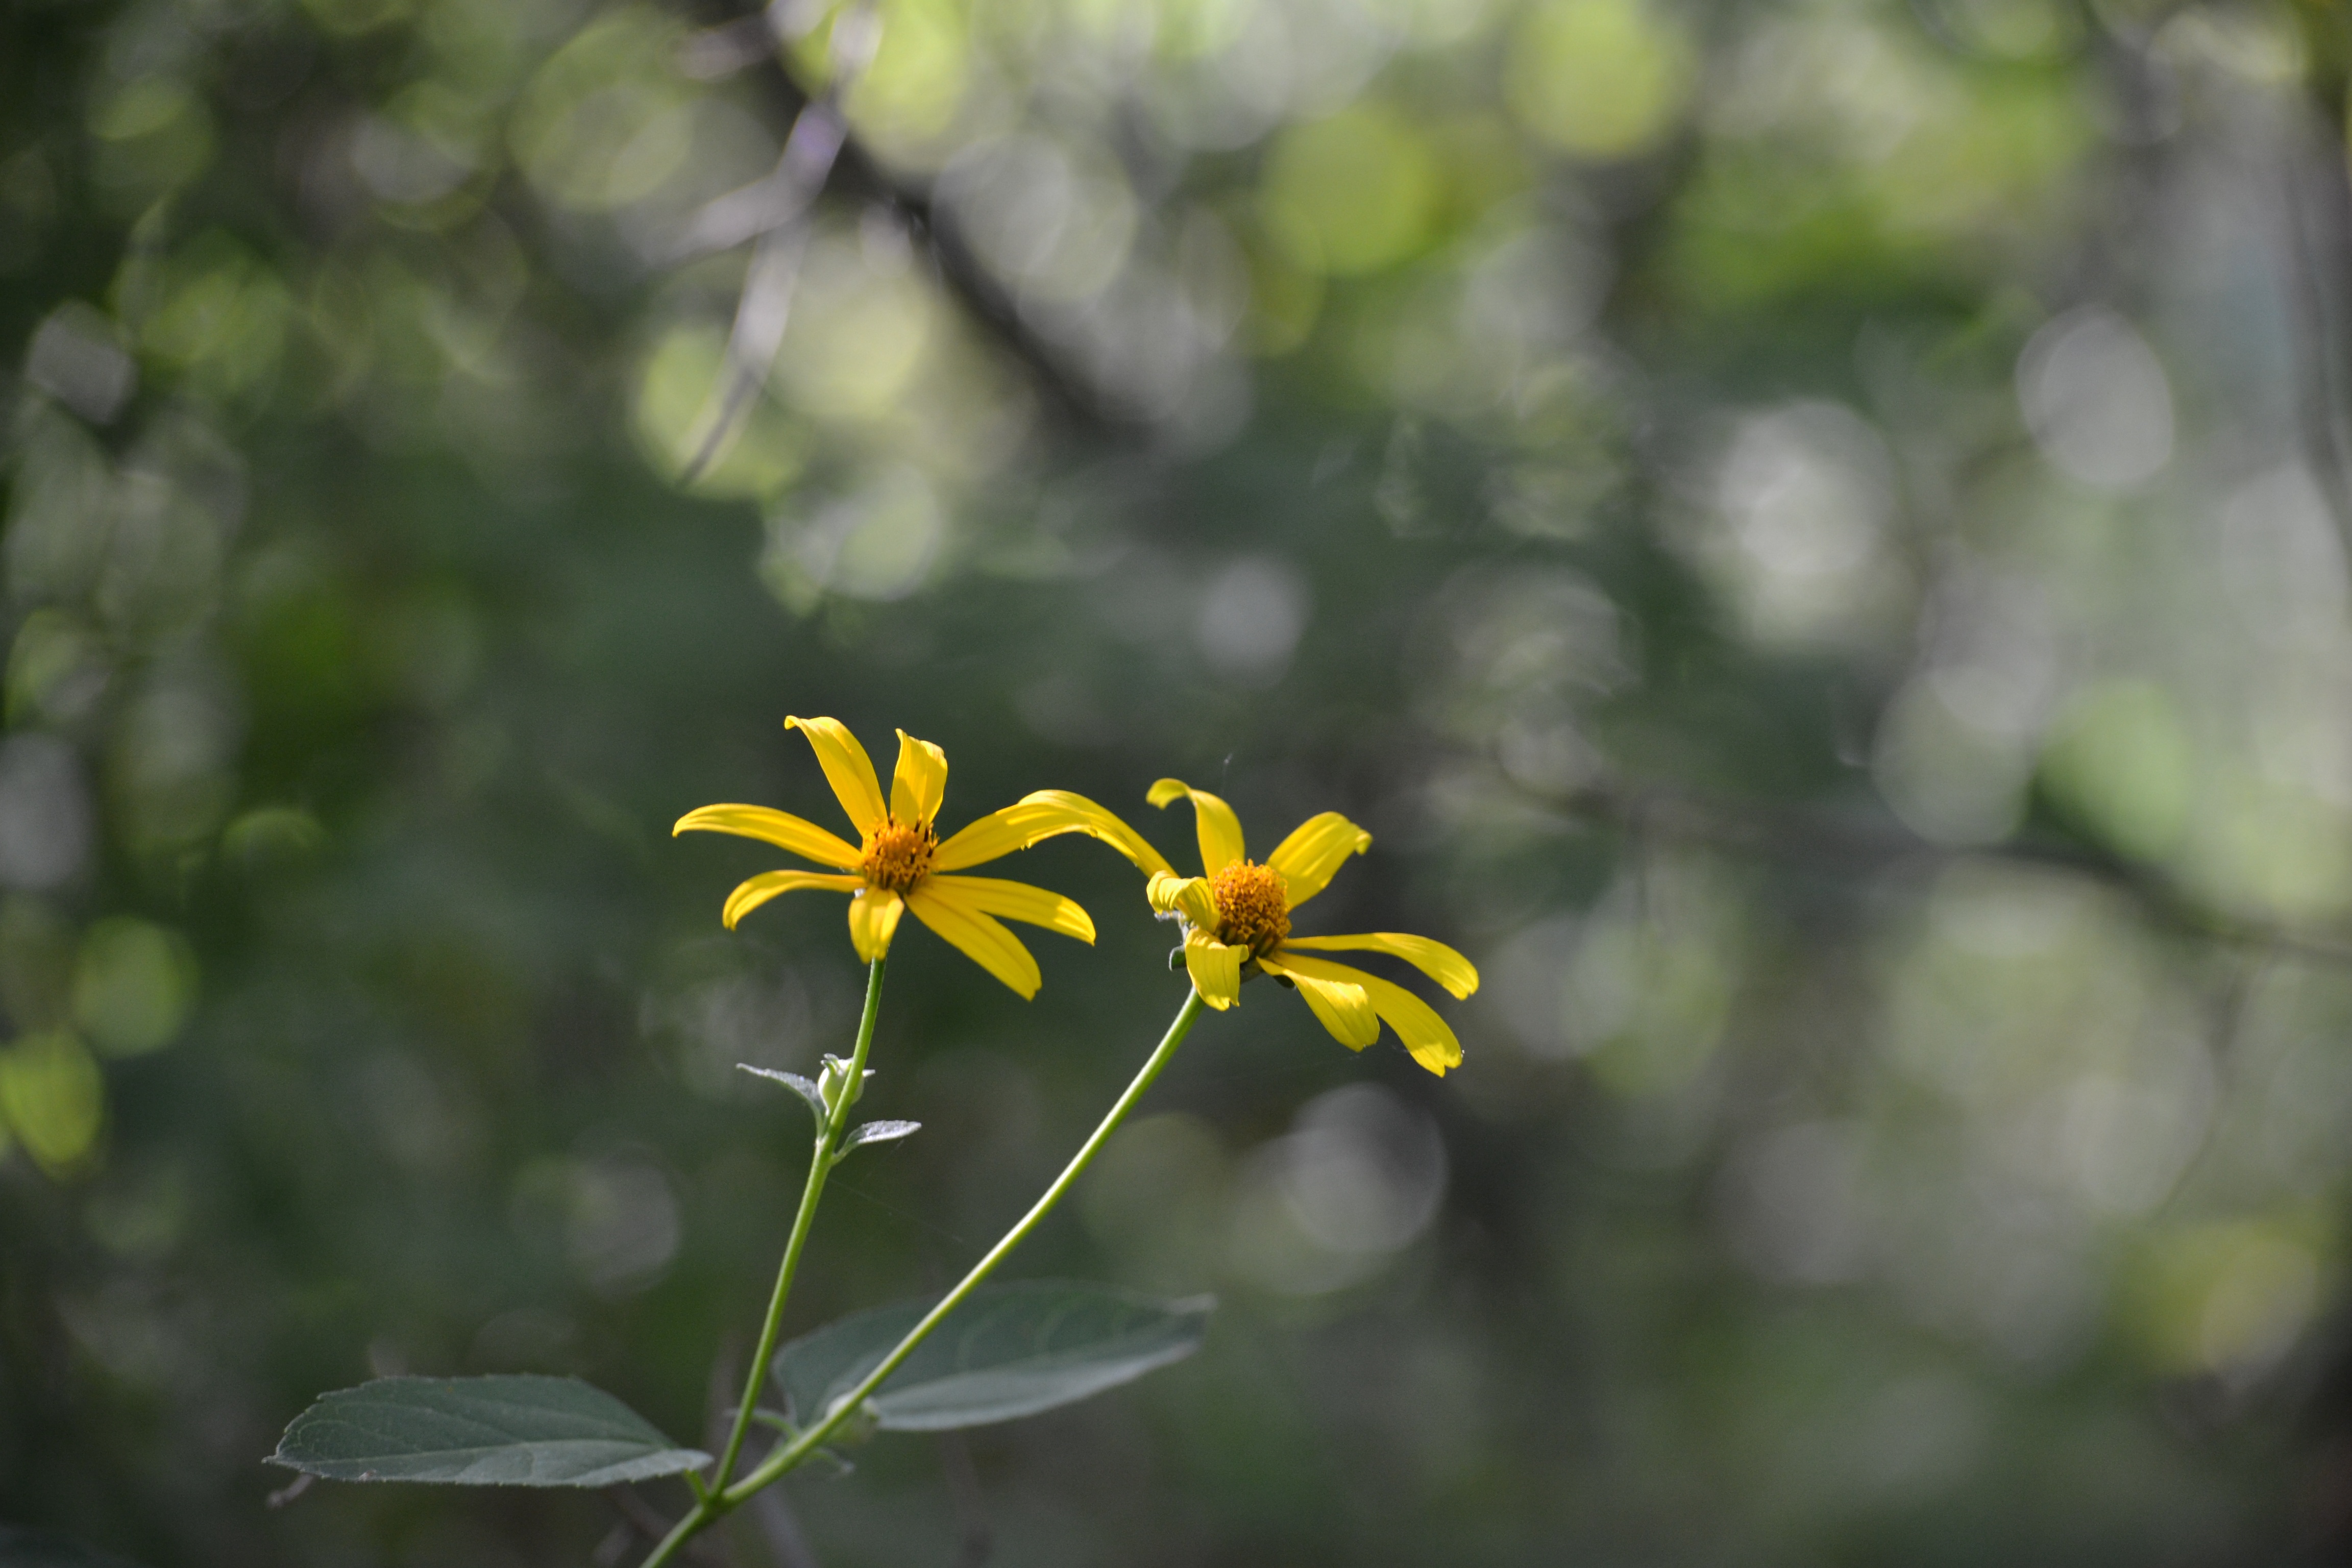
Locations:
(900, 863)
(1238, 914)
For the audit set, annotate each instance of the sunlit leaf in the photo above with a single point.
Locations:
(510, 1431)
(803, 1087)
(1008, 1351)
(877, 1133)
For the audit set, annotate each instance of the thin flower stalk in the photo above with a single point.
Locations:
(820, 1161)
(717, 1499)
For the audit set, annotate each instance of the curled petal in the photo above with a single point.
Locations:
(1190, 897)
(1424, 1034)
(873, 920)
(847, 769)
(750, 895)
(1039, 817)
(920, 782)
(1220, 829)
(1342, 1005)
(977, 937)
(1014, 902)
(1434, 959)
(1215, 969)
(779, 828)
(1307, 858)
(1099, 822)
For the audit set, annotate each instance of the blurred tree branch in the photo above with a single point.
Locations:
(752, 43)
(2316, 205)
(771, 214)
(1859, 846)
(2317, 214)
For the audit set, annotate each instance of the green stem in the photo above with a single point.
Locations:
(708, 1505)
(684, 1530)
(828, 1139)
(724, 1497)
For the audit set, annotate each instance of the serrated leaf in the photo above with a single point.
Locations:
(875, 1133)
(797, 1084)
(1009, 1351)
(508, 1431)
(40, 1549)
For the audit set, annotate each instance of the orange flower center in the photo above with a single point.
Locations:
(897, 857)
(1252, 911)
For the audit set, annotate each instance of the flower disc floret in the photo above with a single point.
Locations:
(897, 857)
(1252, 911)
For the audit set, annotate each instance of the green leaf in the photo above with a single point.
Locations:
(39, 1549)
(875, 1133)
(1008, 1350)
(798, 1085)
(511, 1431)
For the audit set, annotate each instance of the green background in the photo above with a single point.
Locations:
(1812, 533)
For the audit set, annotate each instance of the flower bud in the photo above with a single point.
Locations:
(836, 1085)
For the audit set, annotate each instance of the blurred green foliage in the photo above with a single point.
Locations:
(1813, 531)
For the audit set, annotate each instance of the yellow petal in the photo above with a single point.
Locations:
(1424, 1034)
(1190, 897)
(873, 920)
(1434, 959)
(920, 782)
(977, 937)
(1215, 969)
(1220, 829)
(1073, 813)
(847, 769)
(1342, 1006)
(752, 894)
(1014, 901)
(778, 828)
(1035, 818)
(1307, 858)
(1000, 833)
